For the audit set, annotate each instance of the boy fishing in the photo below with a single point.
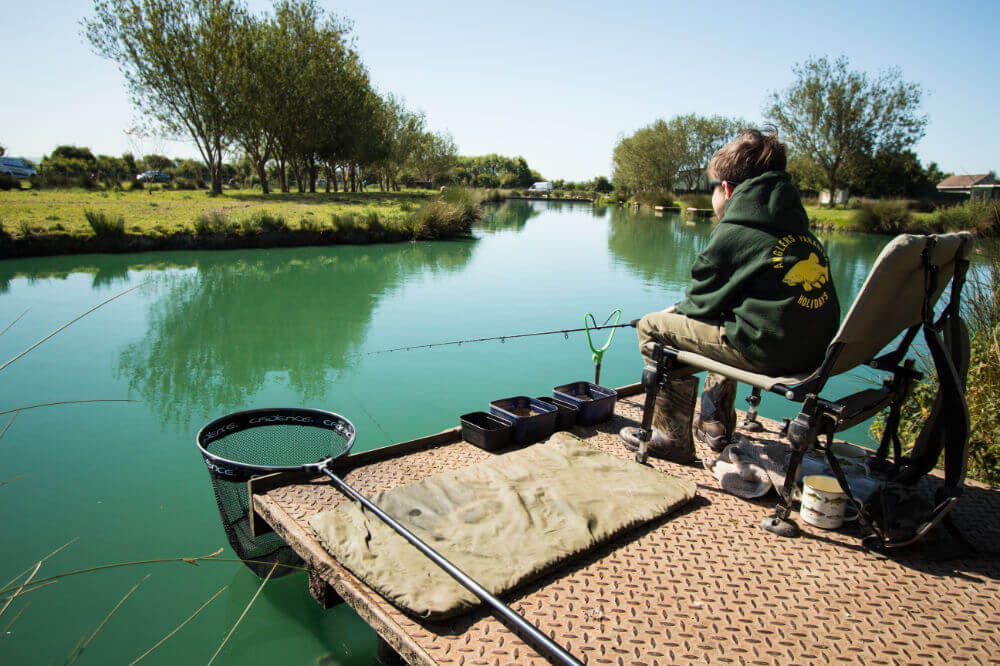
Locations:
(760, 297)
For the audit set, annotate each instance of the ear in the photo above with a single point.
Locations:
(728, 188)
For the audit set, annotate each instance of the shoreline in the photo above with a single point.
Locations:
(67, 244)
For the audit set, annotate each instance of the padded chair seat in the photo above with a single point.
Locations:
(765, 382)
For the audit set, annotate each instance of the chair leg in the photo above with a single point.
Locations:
(750, 422)
(779, 522)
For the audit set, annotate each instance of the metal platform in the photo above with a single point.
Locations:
(706, 585)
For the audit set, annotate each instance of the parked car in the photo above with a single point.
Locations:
(541, 186)
(17, 167)
(153, 177)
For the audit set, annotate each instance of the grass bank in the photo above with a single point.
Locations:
(896, 217)
(41, 222)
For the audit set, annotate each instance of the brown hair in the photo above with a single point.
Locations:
(752, 153)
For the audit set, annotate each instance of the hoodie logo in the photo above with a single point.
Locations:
(811, 275)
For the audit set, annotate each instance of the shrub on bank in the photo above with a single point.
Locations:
(655, 198)
(982, 217)
(103, 225)
(890, 216)
(261, 222)
(214, 222)
(702, 201)
(451, 214)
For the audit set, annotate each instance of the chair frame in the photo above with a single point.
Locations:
(820, 416)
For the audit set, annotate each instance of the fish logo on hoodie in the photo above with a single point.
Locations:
(811, 274)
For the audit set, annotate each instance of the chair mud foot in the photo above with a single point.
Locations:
(785, 527)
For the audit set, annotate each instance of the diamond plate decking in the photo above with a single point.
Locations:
(706, 585)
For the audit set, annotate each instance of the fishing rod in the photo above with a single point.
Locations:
(503, 338)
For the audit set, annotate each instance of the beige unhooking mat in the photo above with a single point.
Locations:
(503, 521)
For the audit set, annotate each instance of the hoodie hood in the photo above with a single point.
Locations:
(768, 201)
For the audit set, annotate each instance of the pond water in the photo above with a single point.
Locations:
(214, 332)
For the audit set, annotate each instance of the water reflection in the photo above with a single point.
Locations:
(220, 333)
(511, 215)
(658, 250)
(661, 250)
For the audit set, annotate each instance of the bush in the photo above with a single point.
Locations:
(451, 214)
(135, 185)
(981, 310)
(702, 201)
(890, 216)
(983, 217)
(309, 224)
(8, 182)
(854, 203)
(655, 198)
(103, 225)
(185, 184)
(262, 221)
(214, 222)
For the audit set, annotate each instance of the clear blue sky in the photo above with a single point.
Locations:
(556, 82)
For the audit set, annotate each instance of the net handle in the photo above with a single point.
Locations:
(255, 418)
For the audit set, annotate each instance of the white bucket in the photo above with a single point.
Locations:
(823, 502)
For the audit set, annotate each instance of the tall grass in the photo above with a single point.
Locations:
(450, 214)
(889, 216)
(103, 225)
(657, 199)
(982, 217)
(214, 222)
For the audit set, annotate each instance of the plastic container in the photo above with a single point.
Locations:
(533, 420)
(595, 403)
(566, 414)
(486, 431)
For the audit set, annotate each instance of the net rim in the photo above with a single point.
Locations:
(247, 419)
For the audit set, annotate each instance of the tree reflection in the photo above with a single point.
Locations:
(661, 251)
(220, 333)
(510, 215)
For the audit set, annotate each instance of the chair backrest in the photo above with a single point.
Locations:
(892, 298)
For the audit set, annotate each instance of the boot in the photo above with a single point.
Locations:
(717, 421)
(672, 415)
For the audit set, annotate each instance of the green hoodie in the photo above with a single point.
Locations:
(766, 278)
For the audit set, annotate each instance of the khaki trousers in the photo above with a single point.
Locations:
(694, 335)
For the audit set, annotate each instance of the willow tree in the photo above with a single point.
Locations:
(648, 161)
(835, 116)
(664, 152)
(179, 64)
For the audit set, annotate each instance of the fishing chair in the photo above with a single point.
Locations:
(896, 301)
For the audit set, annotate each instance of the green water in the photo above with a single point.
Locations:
(213, 332)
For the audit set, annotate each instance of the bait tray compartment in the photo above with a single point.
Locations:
(595, 403)
(533, 420)
(567, 413)
(486, 431)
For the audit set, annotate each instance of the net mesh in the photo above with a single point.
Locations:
(243, 445)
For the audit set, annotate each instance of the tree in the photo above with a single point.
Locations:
(660, 154)
(179, 64)
(433, 155)
(703, 137)
(895, 174)
(601, 184)
(648, 160)
(836, 117)
(157, 162)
